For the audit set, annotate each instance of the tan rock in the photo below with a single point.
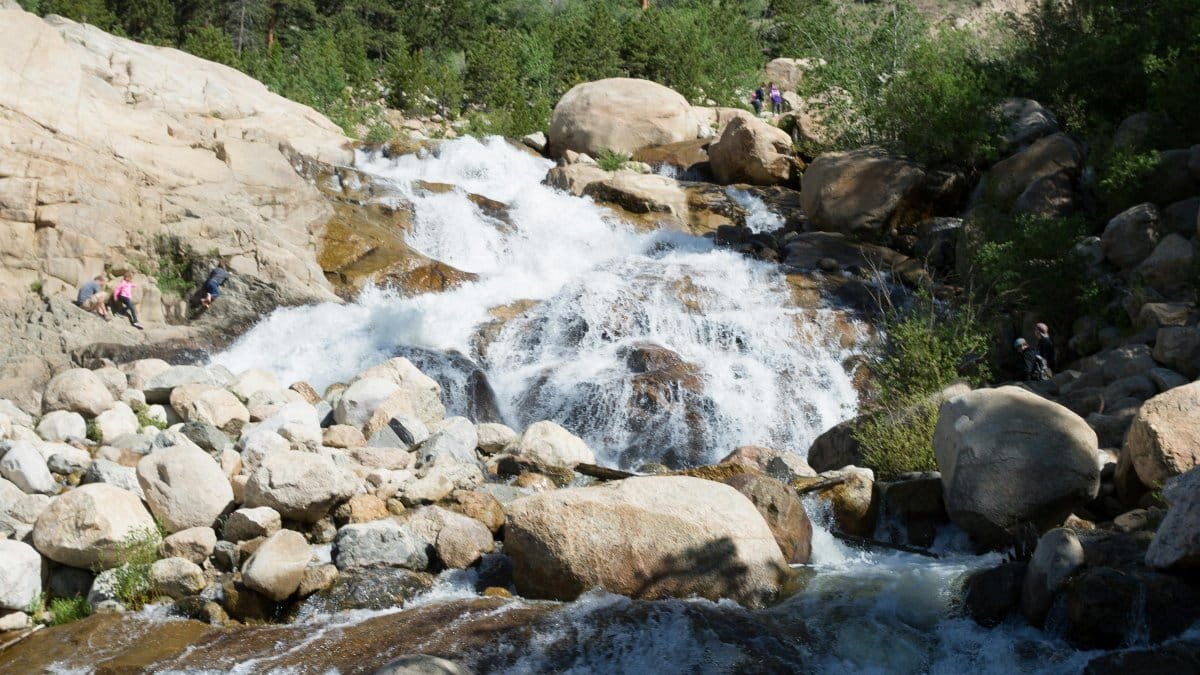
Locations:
(1047, 156)
(300, 486)
(481, 506)
(1164, 439)
(177, 578)
(548, 443)
(620, 115)
(566, 542)
(343, 436)
(752, 151)
(362, 509)
(316, 578)
(277, 567)
(211, 404)
(194, 544)
(77, 390)
(861, 192)
(460, 541)
(184, 487)
(91, 525)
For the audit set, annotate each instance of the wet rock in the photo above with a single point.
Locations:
(853, 502)
(421, 664)
(912, 508)
(1101, 608)
(1164, 439)
(996, 474)
(1057, 557)
(784, 512)
(382, 542)
(90, 525)
(837, 447)
(1177, 657)
(567, 541)
(184, 487)
(276, 568)
(76, 390)
(371, 587)
(317, 578)
(992, 594)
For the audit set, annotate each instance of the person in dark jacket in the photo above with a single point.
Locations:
(757, 98)
(1045, 346)
(212, 286)
(1035, 366)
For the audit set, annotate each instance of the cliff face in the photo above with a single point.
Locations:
(107, 145)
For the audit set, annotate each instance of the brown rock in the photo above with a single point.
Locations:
(481, 506)
(784, 512)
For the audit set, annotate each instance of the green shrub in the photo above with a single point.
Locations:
(213, 44)
(927, 346)
(93, 431)
(36, 286)
(131, 579)
(144, 419)
(66, 610)
(611, 161)
(174, 265)
(1123, 179)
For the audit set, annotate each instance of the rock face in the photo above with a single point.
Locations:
(1176, 544)
(568, 541)
(752, 151)
(619, 114)
(299, 485)
(184, 487)
(860, 192)
(1164, 439)
(1008, 456)
(88, 526)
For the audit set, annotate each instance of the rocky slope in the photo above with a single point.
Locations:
(114, 155)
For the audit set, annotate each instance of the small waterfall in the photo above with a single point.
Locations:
(655, 347)
(759, 218)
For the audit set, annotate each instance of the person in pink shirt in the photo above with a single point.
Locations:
(123, 297)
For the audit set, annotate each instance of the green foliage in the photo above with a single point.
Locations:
(131, 580)
(1123, 179)
(30, 5)
(610, 160)
(174, 265)
(144, 419)
(1030, 262)
(889, 80)
(36, 606)
(927, 346)
(380, 132)
(93, 431)
(36, 286)
(95, 12)
(213, 44)
(1097, 61)
(67, 610)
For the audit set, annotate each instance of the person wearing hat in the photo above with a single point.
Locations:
(1035, 366)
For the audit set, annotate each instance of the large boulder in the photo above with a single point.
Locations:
(1171, 267)
(1176, 544)
(861, 192)
(421, 395)
(1010, 178)
(359, 401)
(209, 404)
(77, 390)
(380, 542)
(452, 440)
(61, 425)
(1009, 456)
(621, 115)
(20, 575)
(1131, 236)
(783, 510)
(184, 487)
(92, 526)
(787, 73)
(25, 467)
(752, 151)
(1164, 439)
(276, 567)
(1058, 555)
(549, 444)
(299, 485)
(654, 537)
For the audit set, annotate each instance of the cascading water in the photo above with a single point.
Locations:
(654, 347)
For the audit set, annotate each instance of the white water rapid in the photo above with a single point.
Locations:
(764, 371)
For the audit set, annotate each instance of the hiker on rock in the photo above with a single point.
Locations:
(212, 286)
(1045, 346)
(123, 298)
(757, 98)
(1036, 369)
(92, 297)
(776, 99)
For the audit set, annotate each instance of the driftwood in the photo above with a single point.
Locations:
(823, 484)
(863, 541)
(602, 472)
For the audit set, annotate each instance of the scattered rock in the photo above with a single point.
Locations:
(20, 575)
(1058, 556)
(1130, 237)
(76, 390)
(300, 486)
(752, 151)
(494, 437)
(276, 568)
(548, 443)
(61, 425)
(195, 544)
(23, 466)
(246, 524)
(1176, 544)
(177, 578)
(619, 115)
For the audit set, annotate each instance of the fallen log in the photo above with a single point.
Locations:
(823, 484)
(602, 472)
(864, 541)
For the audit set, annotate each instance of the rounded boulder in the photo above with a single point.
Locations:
(652, 537)
(621, 115)
(299, 485)
(1009, 456)
(76, 390)
(91, 526)
(184, 486)
(1164, 439)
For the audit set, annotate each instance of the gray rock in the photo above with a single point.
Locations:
(401, 431)
(300, 486)
(245, 524)
(209, 438)
(1178, 348)
(1058, 555)
(380, 542)
(67, 459)
(117, 421)
(1130, 237)
(177, 578)
(111, 473)
(194, 544)
(373, 588)
(61, 425)
(276, 567)
(184, 487)
(453, 439)
(1176, 544)
(1165, 378)
(24, 467)
(158, 388)
(422, 664)
(102, 596)
(77, 390)
(20, 575)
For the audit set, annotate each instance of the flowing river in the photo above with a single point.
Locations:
(594, 290)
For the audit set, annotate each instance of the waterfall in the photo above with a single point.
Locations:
(654, 347)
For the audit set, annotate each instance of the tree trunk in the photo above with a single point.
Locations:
(271, 25)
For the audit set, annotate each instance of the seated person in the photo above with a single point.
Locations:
(92, 296)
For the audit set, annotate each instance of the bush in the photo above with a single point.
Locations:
(1123, 179)
(611, 161)
(131, 580)
(66, 610)
(927, 346)
(93, 431)
(144, 419)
